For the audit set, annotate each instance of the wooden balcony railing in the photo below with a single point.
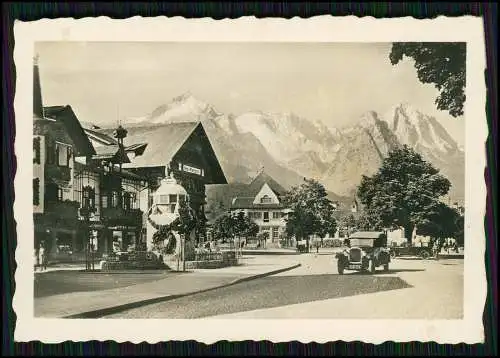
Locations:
(62, 209)
(122, 216)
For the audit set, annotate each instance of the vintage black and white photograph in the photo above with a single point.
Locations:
(215, 181)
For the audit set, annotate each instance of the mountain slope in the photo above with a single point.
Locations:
(290, 147)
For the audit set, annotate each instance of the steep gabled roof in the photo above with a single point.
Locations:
(245, 200)
(247, 203)
(66, 116)
(163, 143)
(261, 179)
(99, 137)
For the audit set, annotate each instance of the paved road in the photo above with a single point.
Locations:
(412, 288)
(436, 292)
(266, 292)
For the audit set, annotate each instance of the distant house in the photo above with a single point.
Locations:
(262, 202)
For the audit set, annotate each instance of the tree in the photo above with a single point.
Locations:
(311, 211)
(365, 223)
(459, 234)
(440, 222)
(184, 225)
(234, 225)
(403, 191)
(347, 223)
(186, 222)
(442, 64)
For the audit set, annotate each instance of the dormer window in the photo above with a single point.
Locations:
(266, 199)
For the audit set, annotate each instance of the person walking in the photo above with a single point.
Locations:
(42, 257)
(37, 261)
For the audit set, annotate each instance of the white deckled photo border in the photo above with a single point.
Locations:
(249, 29)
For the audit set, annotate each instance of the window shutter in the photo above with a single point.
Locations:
(36, 191)
(36, 150)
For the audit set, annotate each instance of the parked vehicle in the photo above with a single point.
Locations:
(302, 246)
(424, 252)
(367, 250)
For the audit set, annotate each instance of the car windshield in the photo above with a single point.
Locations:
(362, 242)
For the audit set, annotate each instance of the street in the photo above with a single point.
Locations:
(411, 289)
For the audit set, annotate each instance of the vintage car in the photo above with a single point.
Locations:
(422, 251)
(366, 251)
(302, 246)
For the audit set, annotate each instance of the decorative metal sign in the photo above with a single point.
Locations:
(192, 170)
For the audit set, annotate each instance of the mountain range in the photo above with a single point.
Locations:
(290, 147)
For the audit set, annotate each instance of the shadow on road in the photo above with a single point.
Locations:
(386, 272)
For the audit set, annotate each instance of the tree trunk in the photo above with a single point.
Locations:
(409, 232)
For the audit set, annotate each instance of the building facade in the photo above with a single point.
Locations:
(180, 150)
(82, 197)
(262, 203)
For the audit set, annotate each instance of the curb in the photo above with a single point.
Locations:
(120, 308)
(269, 253)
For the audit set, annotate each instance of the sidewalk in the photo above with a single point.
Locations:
(94, 304)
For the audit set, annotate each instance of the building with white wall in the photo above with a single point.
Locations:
(262, 201)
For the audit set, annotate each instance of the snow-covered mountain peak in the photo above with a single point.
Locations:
(416, 129)
(183, 108)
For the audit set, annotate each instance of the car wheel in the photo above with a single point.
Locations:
(424, 254)
(393, 254)
(340, 268)
(371, 266)
(386, 267)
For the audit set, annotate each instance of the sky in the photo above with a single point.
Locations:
(331, 82)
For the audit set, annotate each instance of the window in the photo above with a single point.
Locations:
(172, 198)
(115, 200)
(275, 233)
(277, 215)
(129, 200)
(266, 216)
(88, 197)
(50, 153)
(255, 215)
(36, 150)
(104, 200)
(63, 154)
(127, 203)
(51, 192)
(163, 199)
(36, 191)
(265, 199)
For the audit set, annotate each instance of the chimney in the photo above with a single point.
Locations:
(37, 91)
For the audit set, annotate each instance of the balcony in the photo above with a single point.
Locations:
(58, 172)
(120, 216)
(67, 210)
